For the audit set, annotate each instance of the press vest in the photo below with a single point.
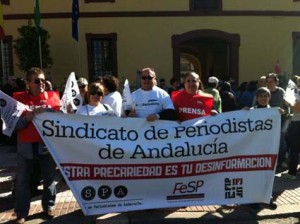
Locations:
(189, 106)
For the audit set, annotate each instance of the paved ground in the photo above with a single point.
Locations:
(286, 195)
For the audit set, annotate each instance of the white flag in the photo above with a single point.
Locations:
(126, 97)
(291, 93)
(11, 111)
(71, 96)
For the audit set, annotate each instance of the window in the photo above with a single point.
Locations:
(102, 54)
(296, 52)
(6, 60)
(88, 1)
(5, 2)
(205, 5)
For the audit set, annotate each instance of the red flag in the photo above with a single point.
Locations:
(277, 68)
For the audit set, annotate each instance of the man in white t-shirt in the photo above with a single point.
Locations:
(150, 101)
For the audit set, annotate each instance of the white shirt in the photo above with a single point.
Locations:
(99, 110)
(151, 102)
(114, 99)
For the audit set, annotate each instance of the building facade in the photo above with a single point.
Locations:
(232, 39)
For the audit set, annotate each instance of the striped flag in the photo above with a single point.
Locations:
(75, 17)
(2, 35)
(37, 16)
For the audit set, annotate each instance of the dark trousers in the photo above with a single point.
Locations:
(22, 188)
(293, 140)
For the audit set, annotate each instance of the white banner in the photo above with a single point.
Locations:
(71, 96)
(291, 93)
(122, 164)
(11, 111)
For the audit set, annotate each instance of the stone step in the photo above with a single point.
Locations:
(6, 179)
(8, 157)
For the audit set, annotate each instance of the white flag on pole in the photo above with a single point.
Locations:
(11, 111)
(126, 97)
(71, 96)
(291, 93)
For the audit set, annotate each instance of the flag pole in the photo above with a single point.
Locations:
(79, 59)
(2, 61)
(37, 21)
(40, 52)
(75, 17)
(2, 35)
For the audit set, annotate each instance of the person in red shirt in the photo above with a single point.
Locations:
(191, 102)
(31, 147)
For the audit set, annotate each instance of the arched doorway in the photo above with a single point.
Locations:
(207, 52)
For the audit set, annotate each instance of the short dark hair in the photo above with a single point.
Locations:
(33, 71)
(173, 80)
(111, 83)
(262, 90)
(225, 86)
(94, 86)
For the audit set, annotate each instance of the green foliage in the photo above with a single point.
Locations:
(27, 48)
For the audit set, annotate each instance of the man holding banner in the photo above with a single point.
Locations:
(150, 101)
(277, 100)
(293, 98)
(31, 146)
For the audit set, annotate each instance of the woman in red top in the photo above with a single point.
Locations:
(191, 102)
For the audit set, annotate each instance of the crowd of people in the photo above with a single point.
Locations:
(152, 101)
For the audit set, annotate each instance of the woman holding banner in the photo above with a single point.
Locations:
(95, 107)
(111, 95)
(191, 102)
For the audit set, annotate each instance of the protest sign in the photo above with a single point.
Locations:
(11, 111)
(71, 98)
(291, 93)
(126, 97)
(122, 164)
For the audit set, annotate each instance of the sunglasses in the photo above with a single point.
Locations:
(192, 81)
(82, 87)
(38, 81)
(97, 93)
(147, 78)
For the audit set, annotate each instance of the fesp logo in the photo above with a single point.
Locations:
(189, 187)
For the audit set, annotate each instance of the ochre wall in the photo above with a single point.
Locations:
(146, 41)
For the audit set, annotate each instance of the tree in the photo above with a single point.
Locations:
(27, 48)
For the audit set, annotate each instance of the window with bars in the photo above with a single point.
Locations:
(6, 60)
(102, 55)
(205, 5)
(5, 2)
